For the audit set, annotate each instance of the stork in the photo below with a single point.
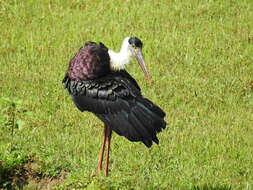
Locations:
(97, 81)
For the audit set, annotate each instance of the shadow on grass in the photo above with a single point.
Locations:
(26, 175)
(13, 178)
(212, 187)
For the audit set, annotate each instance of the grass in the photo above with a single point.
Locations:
(200, 56)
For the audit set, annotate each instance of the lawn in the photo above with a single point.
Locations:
(200, 56)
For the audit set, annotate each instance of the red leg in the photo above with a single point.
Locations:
(100, 164)
(108, 143)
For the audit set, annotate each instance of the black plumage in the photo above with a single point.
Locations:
(116, 99)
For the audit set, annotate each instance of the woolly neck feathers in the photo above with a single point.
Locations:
(118, 60)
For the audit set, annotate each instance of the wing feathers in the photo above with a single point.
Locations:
(116, 99)
(137, 123)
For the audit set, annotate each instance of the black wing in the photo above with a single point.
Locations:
(116, 99)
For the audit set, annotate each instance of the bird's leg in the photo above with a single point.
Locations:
(108, 143)
(100, 164)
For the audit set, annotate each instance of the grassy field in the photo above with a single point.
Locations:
(200, 55)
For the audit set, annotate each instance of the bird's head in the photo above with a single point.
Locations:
(135, 50)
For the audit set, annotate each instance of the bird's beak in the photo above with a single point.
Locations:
(139, 57)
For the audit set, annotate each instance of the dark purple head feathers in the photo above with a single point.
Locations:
(92, 61)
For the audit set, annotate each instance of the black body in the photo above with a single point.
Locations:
(115, 98)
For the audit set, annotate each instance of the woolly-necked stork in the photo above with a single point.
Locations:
(98, 83)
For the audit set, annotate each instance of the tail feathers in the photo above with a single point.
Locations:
(152, 107)
(141, 122)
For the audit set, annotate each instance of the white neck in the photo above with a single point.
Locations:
(118, 60)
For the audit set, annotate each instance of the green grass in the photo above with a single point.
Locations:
(200, 56)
